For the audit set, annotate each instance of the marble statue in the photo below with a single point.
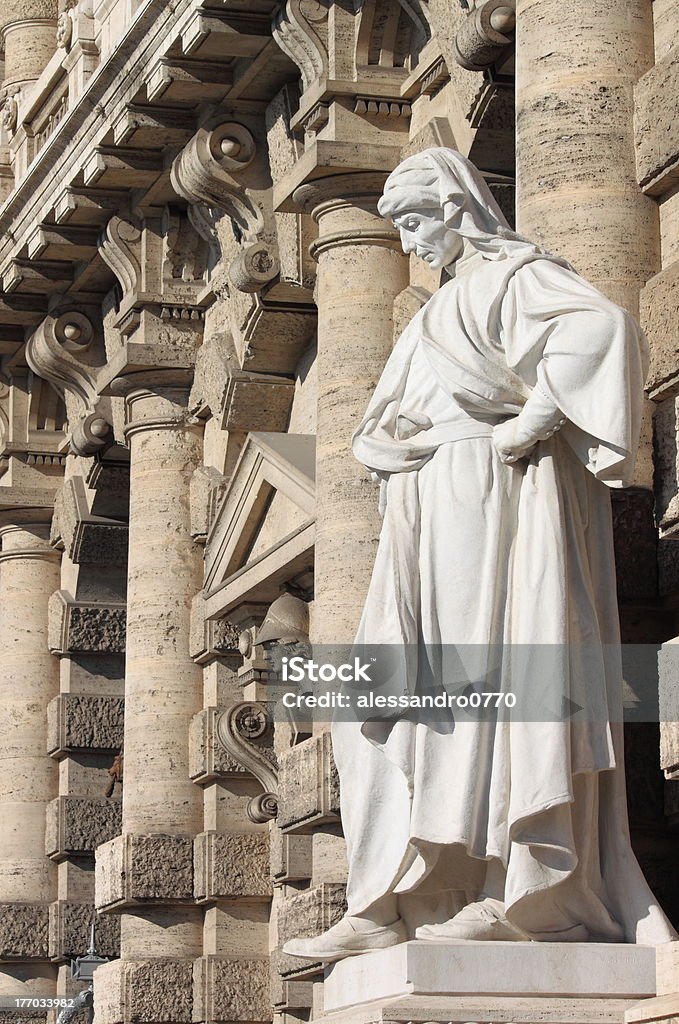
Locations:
(507, 409)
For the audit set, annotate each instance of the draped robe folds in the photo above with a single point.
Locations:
(478, 557)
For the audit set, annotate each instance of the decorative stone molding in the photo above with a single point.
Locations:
(308, 785)
(210, 638)
(205, 493)
(231, 866)
(139, 869)
(119, 248)
(76, 826)
(66, 351)
(161, 263)
(24, 930)
(246, 733)
(486, 34)
(75, 626)
(84, 722)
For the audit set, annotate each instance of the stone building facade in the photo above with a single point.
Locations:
(196, 299)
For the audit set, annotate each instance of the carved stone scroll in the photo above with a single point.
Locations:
(64, 351)
(245, 732)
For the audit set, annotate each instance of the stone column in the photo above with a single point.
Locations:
(147, 872)
(163, 686)
(361, 270)
(29, 37)
(29, 574)
(577, 191)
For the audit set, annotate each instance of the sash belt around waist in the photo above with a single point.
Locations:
(446, 432)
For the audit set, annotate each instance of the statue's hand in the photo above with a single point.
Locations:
(511, 440)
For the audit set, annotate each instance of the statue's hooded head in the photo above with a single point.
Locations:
(439, 186)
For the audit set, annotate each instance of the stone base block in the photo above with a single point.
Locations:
(663, 1010)
(135, 869)
(144, 992)
(570, 981)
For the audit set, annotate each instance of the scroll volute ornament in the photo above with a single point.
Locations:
(64, 351)
(219, 171)
(208, 168)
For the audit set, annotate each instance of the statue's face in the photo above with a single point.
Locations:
(424, 233)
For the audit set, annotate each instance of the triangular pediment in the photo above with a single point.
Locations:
(274, 472)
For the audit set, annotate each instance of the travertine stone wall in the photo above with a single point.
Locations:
(29, 572)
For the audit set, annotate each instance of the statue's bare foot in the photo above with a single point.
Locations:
(480, 921)
(349, 937)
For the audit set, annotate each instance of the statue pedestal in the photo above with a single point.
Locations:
(526, 982)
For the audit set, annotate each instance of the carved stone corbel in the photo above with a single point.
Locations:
(219, 171)
(245, 731)
(66, 351)
(301, 31)
(486, 35)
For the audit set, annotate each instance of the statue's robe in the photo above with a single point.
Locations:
(503, 575)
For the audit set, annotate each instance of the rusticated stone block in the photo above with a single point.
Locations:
(309, 913)
(77, 826)
(659, 313)
(75, 627)
(232, 866)
(308, 785)
(657, 125)
(291, 856)
(144, 869)
(24, 931)
(84, 721)
(69, 931)
(208, 760)
(144, 992)
(231, 990)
